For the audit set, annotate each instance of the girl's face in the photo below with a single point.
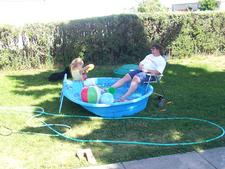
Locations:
(78, 65)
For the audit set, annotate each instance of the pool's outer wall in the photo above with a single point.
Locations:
(119, 110)
(115, 110)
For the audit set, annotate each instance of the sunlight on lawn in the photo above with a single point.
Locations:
(175, 135)
(11, 162)
(86, 128)
(209, 63)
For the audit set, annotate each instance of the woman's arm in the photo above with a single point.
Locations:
(153, 72)
(140, 66)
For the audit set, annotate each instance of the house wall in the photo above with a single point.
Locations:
(184, 7)
(195, 6)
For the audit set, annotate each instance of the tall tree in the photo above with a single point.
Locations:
(208, 5)
(148, 6)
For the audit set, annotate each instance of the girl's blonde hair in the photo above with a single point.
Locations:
(75, 63)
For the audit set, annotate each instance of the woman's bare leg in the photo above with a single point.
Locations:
(120, 82)
(133, 86)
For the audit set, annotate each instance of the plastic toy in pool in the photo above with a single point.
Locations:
(136, 102)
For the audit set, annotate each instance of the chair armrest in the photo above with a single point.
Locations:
(159, 76)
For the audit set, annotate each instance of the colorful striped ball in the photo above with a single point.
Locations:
(90, 94)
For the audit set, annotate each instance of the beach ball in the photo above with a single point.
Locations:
(90, 94)
(107, 98)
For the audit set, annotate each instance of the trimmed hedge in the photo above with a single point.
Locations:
(111, 40)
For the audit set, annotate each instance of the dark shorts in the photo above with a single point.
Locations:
(142, 75)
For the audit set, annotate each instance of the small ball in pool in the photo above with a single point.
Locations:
(107, 98)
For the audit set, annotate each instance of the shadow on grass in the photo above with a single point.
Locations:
(194, 92)
(24, 81)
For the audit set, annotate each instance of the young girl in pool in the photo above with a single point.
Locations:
(77, 70)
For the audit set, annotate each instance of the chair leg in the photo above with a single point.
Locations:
(161, 88)
(161, 97)
(148, 83)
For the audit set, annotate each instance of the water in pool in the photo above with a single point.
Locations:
(141, 90)
(73, 89)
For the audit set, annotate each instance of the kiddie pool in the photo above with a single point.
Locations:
(136, 102)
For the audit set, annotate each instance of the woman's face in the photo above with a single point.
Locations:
(154, 51)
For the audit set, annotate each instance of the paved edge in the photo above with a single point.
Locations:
(122, 165)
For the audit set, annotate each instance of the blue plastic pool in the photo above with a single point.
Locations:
(136, 102)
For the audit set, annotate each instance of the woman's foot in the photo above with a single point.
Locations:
(103, 90)
(123, 99)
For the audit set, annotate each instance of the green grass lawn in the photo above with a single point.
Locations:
(194, 86)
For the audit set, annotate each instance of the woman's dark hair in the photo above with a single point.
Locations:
(159, 47)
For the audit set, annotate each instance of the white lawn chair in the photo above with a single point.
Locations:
(161, 96)
(157, 79)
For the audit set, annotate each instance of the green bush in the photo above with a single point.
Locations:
(111, 40)
(208, 5)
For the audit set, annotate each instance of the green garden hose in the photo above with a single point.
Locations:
(40, 111)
